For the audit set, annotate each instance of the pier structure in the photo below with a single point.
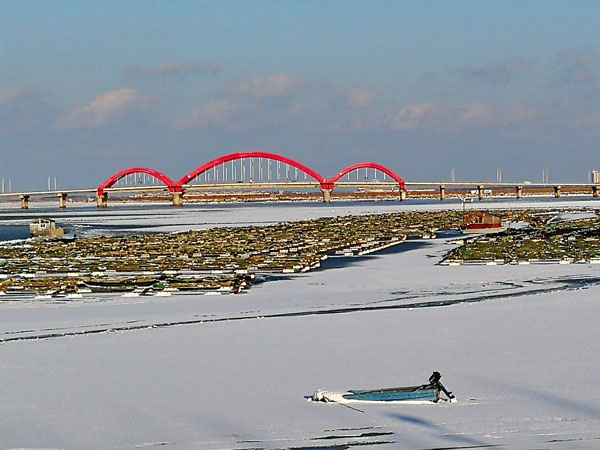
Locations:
(326, 195)
(178, 198)
(102, 200)
(480, 191)
(519, 189)
(24, 201)
(62, 200)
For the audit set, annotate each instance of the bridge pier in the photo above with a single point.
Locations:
(178, 198)
(519, 192)
(595, 190)
(62, 200)
(480, 192)
(326, 195)
(442, 192)
(24, 201)
(557, 191)
(102, 200)
(403, 195)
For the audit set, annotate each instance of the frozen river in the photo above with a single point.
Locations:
(85, 219)
(518, 345)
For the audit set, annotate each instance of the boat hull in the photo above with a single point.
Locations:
(398, 394)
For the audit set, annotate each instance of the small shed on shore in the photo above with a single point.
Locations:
(482, 218)
(45, 228)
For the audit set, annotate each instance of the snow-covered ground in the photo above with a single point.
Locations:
(518, 345)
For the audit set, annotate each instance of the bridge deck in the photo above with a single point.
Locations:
(304, 185)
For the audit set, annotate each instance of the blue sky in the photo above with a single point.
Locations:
(88, 88)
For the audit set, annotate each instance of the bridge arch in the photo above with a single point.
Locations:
(235, 156)
(171, 185)
(369, 165)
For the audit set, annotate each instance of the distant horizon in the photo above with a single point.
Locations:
(92, 88)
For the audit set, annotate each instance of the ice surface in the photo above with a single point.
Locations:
(518, 345)
(86, 218)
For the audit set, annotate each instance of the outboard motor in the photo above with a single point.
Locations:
(434, 380)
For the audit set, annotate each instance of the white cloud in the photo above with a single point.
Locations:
(13, 92)
(108, 108)
(25, 108)
(520, 114)
(579, 57)
(456, 118)
(476, 115)
(216, 113)
(499, 74)
(274, 86)
(356, 125)
(297, 110)
(578, 67)
(359, 97)
(472, 116)
(173, 69)
(237, 116)
(410, 117)
(441, 118)
(592, 121)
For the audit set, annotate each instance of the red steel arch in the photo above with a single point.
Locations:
(234, 156)
(368, 165)
(173, 187)
(177, 186)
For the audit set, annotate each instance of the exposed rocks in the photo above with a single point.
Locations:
(219, 259)
(223, 260)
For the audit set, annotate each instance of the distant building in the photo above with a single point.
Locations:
(482, 218)
(482, 222)
(595, 176)
(45, 228)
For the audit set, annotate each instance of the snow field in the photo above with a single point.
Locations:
(522, 359)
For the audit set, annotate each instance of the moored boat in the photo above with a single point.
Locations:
(429, 392)
(423, 393)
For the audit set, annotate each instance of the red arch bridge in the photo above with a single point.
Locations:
(260, 170)
(250, 170)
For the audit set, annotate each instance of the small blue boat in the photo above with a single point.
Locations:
(429, 392)
(425, 392)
